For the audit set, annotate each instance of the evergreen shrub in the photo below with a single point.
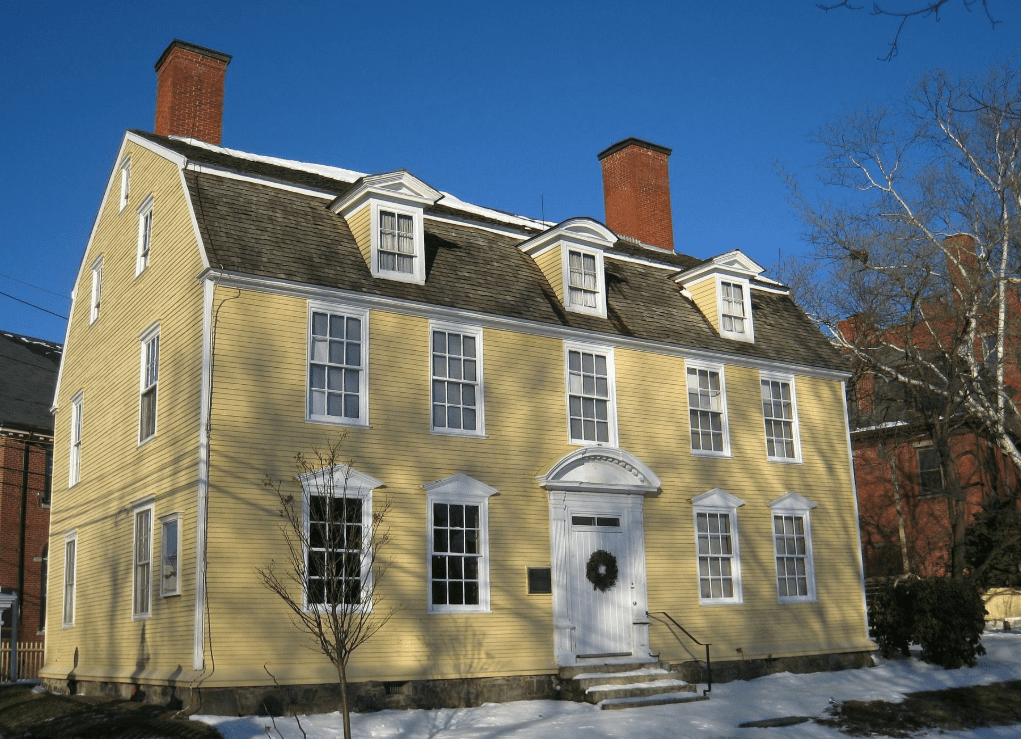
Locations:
(943, 616)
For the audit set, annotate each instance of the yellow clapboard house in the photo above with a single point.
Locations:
(522, 394)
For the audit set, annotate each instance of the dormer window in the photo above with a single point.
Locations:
(584, 281)
(396, 251)
(570, 256)
(385, 215)
(720, 288)
(733, 307)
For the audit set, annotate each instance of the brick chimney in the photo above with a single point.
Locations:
(189, 92)
(636, 189)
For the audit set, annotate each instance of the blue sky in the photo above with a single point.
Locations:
(501, 104)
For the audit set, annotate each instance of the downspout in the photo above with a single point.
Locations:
(201, 528)
(23, 522)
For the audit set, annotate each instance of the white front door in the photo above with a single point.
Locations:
(601, 606)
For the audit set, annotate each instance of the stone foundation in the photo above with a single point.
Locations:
(371, 696)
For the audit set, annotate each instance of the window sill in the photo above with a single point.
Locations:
(580, 442)
(146, 441)
(785, 460)
(170, 595)
(141, 616)
(715, 603)
(329, 421)
(460, 434)
(712, 455)
(434, 611)
(806, 599)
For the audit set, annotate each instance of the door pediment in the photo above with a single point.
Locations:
(601, 470)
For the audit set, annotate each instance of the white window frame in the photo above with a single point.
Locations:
(459, 489)
(97, 289)
(74, 467)
(125, 170)
(476, 333)
(746, 301)
(363, 372)
(166, 521)
(724, 421)
(923, 491)
(719, 502)
(771, 377)
(70, 584)
(340, 481)
(145, 218)
(611, 383)
(600, 290)
(141, 560)
(793, 505)
(148, 381)
(417, 274)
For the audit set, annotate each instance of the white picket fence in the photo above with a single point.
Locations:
(30, 660)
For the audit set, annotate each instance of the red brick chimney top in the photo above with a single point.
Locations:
(636, 190)
(189, 91)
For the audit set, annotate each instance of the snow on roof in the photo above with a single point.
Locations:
(349, 175)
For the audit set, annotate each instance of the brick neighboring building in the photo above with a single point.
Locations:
(28, 376)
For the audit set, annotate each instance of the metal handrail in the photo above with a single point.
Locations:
(708, 661)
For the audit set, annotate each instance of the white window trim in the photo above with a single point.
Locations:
(792, 504)
(795, 428)
(749, 334)
(724, 419)
(136, 509)
(480, 413)
(164, 520)
(149, 334)
(460, 489)
(125, 170)
(70, 537)
(363, 376)
(600, 307)
(74, 467)
(142, 258)
(342, 481)
(97, 289)
(611, 382)
(417, 275)
(720, 501)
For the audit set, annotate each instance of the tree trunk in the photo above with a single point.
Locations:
(344, 707)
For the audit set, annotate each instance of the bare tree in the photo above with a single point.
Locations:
(914, 268)
(330, 578)
(926, 9)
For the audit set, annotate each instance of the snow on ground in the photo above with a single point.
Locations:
(730, 704)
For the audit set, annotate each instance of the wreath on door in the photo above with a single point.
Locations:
(601, 570)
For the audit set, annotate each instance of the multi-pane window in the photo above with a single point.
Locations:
(97, 289)
(75, 461)
(336, 368)
(148, 384)
(335, 553)
(706, 407)
(930, 472)
(715, 556)
(733, 315)
(583, 280)
(144, 235)
(170, 546)
(456, 554)
(396, 242)
(142, 582)
(791, 556)
(125, 181)
(70, 560)
(779, 416)
(792, 542)
(456, 380)
(590, 396)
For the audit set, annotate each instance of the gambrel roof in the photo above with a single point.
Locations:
(472, 262)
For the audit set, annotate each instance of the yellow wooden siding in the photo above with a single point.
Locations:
(103, 360)
(360, 224)
(703, 294)
(551, 263)
(258, 413)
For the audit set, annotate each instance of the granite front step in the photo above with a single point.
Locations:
(663, 699)
(600, 693)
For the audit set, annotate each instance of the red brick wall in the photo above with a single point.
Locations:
(927, 525)
(189, 95)
(37, 527)
(636, 189)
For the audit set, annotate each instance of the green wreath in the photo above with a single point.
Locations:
(601, 570)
